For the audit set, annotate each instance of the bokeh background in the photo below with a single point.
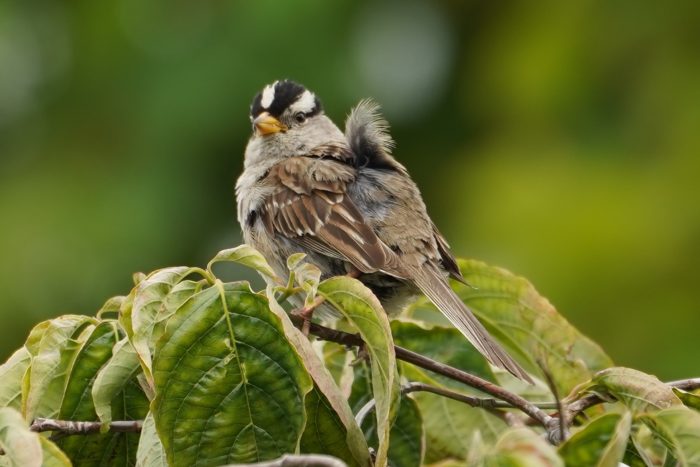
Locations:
(560, 140)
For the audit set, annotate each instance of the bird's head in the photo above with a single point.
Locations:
(288, 120)
(283, 106)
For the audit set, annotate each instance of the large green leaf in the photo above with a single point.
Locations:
(139, 311)
(363, 311)
(600, 443)
(639, 391)
(11, 374)
(54, 350)
(229, 386)
(22, 447)
(334, 401)
(679, 429)
(520, 447)
(529, 326)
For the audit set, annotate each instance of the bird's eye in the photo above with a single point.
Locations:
(300, 117)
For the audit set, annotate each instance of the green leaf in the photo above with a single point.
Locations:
(179, 294)
(679, 429)
(150, 452)
(112, 305)
(521, 447)
(22, 447)
(688, 398)
(306, 275)
(54, 349)
(53, 456)
(334, 400)
(600, 443)
(324, 432)
(229, 387)
(139, 312)
(337, 360)
(645, 449)
(529, 326)
(448, 423)
(11, 374)
(407, 446)
(245, 255)
(113, 378)
(364, 312)
(444, 344)
(99, 449)
(95, 352)
(639, 391)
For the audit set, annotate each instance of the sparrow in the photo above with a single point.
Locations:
(345, 201)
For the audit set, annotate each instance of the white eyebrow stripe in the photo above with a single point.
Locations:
(268, 95)
(305, 103)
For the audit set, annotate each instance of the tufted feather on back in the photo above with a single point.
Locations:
(368, 135)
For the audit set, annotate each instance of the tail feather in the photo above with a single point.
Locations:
(436, 288)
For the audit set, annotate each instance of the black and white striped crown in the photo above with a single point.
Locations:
(281, 95)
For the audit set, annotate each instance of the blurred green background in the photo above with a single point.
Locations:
(560, 140)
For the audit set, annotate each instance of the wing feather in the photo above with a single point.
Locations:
(311, 207)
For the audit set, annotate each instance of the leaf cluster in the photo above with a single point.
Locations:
(189, 370)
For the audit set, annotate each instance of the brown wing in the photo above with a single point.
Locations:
(310, 206)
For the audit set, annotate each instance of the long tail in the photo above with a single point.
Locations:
(436, 288)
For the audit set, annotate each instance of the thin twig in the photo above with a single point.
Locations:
(480, 402)
(299, 460)
(493, 406)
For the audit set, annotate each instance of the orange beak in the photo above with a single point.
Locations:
(266, 124)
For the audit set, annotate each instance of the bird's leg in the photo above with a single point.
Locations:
(306, 313)
(362, 355)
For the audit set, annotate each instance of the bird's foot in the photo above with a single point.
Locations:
(362, 355)
(305, 313)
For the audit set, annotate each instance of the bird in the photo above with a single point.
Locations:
(344, 200)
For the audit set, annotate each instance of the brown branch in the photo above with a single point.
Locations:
(426, 363)
(68, 427)
(689, 384)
